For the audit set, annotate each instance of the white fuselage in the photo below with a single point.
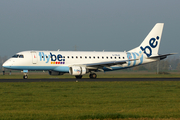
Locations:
(61, 60)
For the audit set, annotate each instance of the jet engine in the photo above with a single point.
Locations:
(55, 73)
(77, 70)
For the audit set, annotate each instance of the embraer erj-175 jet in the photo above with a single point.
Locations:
(80, 63)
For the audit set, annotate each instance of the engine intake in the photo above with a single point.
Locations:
(77, 70)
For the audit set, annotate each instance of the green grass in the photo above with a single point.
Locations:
(118, 74)
(89, 100)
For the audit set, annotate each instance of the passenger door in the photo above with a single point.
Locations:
(34, 57)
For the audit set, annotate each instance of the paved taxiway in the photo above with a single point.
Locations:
(89, 80)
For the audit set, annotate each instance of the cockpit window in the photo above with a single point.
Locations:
(18, 56)
(21, 56)
(15, 56)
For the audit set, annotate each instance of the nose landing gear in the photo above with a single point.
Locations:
(25, 77)
(25, 74)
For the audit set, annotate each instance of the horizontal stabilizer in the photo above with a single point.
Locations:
(161, 56)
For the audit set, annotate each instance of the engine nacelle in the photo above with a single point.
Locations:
(55, 73)
(77, 70)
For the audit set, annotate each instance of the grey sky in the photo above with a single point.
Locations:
(92, 25)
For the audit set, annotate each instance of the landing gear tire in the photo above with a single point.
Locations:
(93, 76)
(25, 77)
(78, 77)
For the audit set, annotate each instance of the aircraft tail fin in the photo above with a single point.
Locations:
(150, 45)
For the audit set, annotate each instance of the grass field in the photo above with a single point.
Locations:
(117, 74)
(90, 100)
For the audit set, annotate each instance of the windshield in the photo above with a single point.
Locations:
(18, 56)
(21, 56)
(15, 56)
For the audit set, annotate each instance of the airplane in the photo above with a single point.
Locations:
(79, 63)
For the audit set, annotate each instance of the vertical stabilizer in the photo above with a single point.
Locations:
(150, 45)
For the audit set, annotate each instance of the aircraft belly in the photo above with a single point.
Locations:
(55, 68)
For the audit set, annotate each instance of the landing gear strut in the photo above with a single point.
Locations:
(25, 74)
(25, 77)
(92, 75)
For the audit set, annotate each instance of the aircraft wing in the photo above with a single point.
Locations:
(106, 64)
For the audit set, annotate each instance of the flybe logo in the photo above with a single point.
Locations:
(54, 59)
(153, 42)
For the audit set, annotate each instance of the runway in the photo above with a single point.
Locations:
(90, 80)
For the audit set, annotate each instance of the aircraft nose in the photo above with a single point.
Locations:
(7, 64)
(4, 64)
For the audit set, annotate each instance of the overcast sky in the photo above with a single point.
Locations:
(90, 25)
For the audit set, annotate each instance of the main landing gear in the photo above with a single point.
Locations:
(91, 76)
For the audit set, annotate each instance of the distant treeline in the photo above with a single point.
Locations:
(164, 65)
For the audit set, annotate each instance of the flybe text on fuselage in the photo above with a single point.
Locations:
(54, 59)
(153, 43)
